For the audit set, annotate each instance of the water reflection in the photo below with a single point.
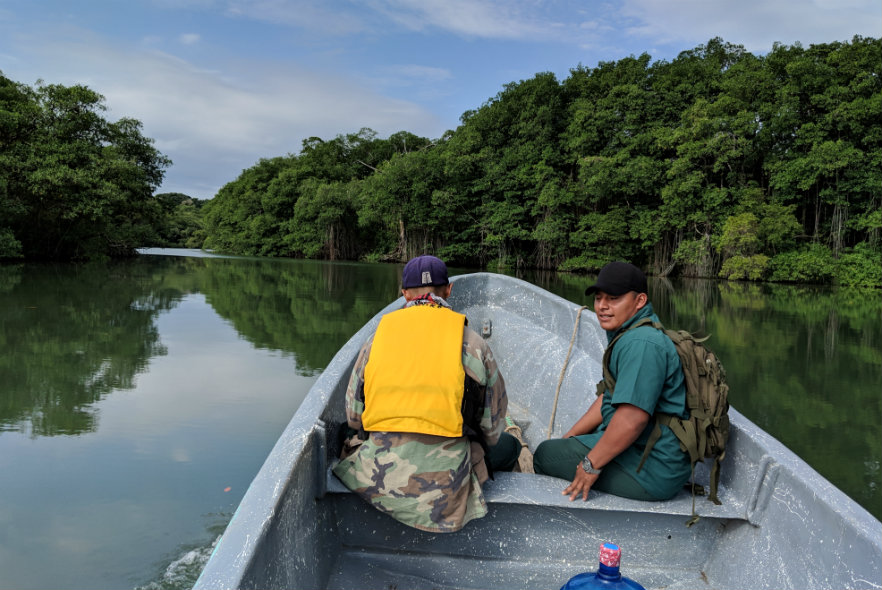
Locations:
(804, 364)
(71, 335)
(177, 375)
(306, 309)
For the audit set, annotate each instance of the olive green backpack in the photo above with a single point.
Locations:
(705, 433)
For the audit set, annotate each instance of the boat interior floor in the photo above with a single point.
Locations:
(522, 542)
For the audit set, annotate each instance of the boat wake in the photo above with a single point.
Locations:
(183, 572)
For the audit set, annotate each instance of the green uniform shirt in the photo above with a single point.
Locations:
(648, 374)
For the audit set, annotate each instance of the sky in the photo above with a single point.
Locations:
(220, 84)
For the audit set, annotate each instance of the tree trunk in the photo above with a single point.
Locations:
(873, 234)
(332, 246)
(662, 261)
(402, 241)
(837, 225)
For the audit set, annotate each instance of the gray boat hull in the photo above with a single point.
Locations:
(781, 524)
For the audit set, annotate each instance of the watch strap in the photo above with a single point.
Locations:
(589, 468)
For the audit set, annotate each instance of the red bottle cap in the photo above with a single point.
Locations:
(610, 555)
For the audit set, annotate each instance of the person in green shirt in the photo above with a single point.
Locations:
(604, 448)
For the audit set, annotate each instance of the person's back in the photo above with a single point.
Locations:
(426, 399)
(604, 449)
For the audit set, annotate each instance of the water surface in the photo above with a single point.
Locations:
(139, 399)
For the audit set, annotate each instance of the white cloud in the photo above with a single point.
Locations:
(424, 83)
(756, 24)
(313, 15)
(490, 19)
(215, 123)
(189, 38)
(505, 19)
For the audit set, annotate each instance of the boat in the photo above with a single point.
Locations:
(780, 524)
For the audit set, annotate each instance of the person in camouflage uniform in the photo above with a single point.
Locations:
(428, 481)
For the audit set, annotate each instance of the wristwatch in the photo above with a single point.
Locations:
(589, 468)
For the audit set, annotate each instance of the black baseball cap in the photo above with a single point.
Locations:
(618, 278)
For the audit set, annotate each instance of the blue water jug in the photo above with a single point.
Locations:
(607, 575)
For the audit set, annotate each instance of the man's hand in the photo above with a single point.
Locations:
(625, 426)
(582, 482)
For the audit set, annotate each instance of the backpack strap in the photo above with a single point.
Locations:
(472, 409)
(609, 381)
(715, 478)
(653, 438)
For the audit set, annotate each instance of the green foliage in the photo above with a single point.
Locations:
(605, 236)
(72, 184)
(180, 222)
(747, 240)
(243, 217)
(740, 235)
(814, 264)
(741, 267)
(691, 252)
(861, 267)
(9, 246)
(404, 207)
(583, 263)
(778, 227)
(323, 218)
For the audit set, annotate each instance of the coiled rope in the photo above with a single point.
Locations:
(564, 370)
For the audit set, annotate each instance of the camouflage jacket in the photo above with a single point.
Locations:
(431, 483)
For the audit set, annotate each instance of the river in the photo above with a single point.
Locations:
(139, 398)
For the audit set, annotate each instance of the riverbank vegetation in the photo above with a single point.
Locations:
(180, 222)
(718, 163)
(73, 185)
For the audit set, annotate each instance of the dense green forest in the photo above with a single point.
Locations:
(72, 184)
(76, 186)
(718, 163)
(180, 223)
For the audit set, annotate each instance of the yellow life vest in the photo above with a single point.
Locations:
(414, 378)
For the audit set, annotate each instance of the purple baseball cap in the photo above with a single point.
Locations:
(424, 271)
